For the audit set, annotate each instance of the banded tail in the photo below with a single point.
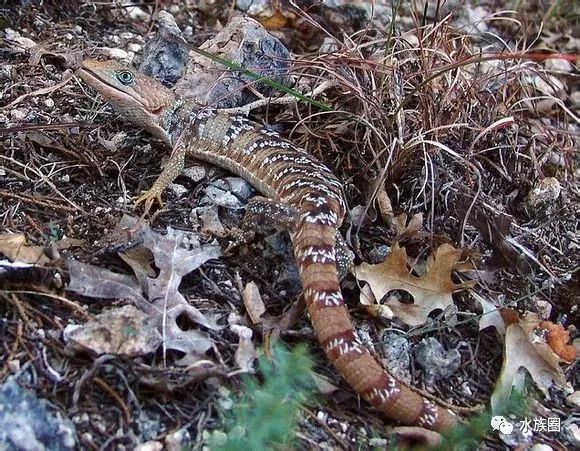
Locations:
(314, 248)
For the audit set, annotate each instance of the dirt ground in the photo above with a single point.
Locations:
(450, 133)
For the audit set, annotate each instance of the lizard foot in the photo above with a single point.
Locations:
(239, 236)
(148, 198)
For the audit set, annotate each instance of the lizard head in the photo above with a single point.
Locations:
(137, 97)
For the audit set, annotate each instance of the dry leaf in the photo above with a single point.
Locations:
(558, 339)
(431, 291)
(125, 331)
(491, 314)
(524, 348)
(406, 227)
(323, 384)
(253, 302)
(385, 206)
(176, 254)
(14, 247)
(245, 354)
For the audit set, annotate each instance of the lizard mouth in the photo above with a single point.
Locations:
(98, 82)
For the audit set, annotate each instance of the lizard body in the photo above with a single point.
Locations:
(308, 193)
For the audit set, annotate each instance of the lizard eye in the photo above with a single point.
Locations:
(125, 77)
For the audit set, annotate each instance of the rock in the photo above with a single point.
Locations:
(571, 434)
(18, 114)
(165, 55)
(195, 173)
(558, 65)
(134, 47)
(237, 186)
(436, 362)
(574, 399)
(178, 190)
(541, 447)
(115, 53)
(244, 42)
(396, 353)
(30, 423)
(545, 193)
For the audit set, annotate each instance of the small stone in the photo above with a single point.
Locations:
(78, 29)
(10, 34)
(544, 193)
(114, 39)
(134, 47)
(377, 442)
(571, 432)
(177, 440)
(555, 158)
(14, 365)
(152, 445)
(115, 53)
(573, 399)
(178, 190)
(575, 97)
(69, 36)
(126, 35)
(137, 13)
(541, 447)
(49, 103)
(25, 43)
(559, 65)
(195, 173)
(18, 114)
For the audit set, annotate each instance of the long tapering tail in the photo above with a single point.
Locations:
(314, 248)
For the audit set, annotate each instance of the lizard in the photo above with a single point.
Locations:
(300, 191)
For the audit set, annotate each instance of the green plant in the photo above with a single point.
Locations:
(266, 413)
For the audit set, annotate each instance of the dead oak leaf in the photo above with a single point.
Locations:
(431, 291)
(157, 294)
(14, 247)
(527, 347)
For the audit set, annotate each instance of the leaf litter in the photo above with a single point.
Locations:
(175, 255)
(528, 346)
(433, 290)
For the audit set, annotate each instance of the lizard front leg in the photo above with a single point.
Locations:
(171, 169)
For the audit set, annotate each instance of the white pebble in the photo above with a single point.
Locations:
(134, 47)
(115, 53)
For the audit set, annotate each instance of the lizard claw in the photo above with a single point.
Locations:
(238, 237)
(148, 198)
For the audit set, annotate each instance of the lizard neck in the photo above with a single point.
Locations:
(174, 121)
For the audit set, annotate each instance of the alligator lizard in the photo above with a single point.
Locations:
(300, 190)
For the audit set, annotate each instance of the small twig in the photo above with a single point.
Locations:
(284, 100)
(113, 394)
(66, 76)
(44, 179)
(32, 200)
